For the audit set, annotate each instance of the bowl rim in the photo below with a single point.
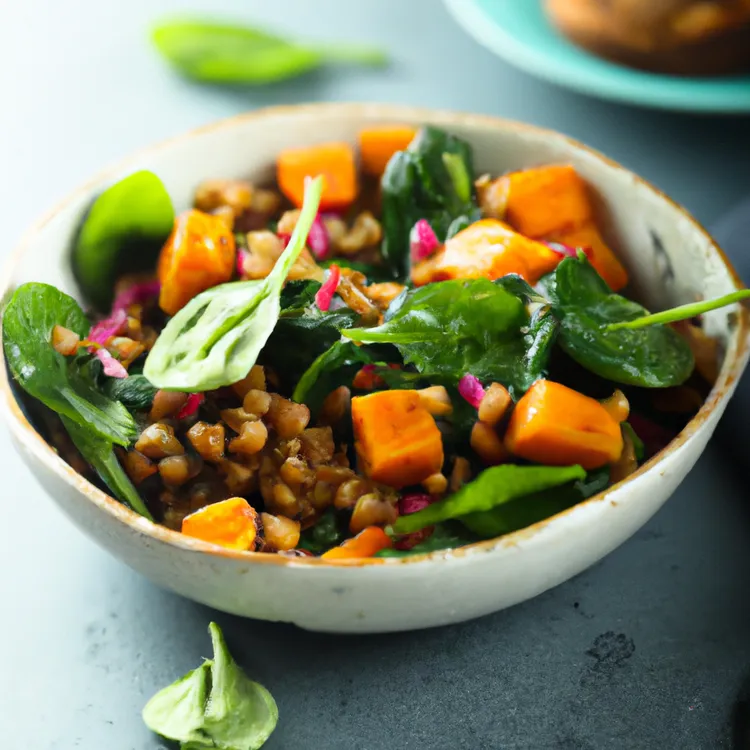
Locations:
(25, 433)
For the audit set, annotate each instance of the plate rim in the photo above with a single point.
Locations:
(484, 29)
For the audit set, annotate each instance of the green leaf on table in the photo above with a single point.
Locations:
(652, 357)
(122, 231)
(67, 385)
(215, 339)
(523, 512)
(213, 52)
(492, 488)
(214, 706)
(451, 328)
(432, 179)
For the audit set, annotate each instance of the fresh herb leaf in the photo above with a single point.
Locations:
(450, 328)
(99, 453)
(299, 294)
(432, 180)
(683, 312)
(653, 357)
(228, 53)
(216, 338)
(214, 706)
(492, 488)
(65, 384)
(134, 392)
(123, 231)
(526, 511)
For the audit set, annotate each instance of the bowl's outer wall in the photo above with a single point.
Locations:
(670, 259)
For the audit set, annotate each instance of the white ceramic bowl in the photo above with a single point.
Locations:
(671, 258)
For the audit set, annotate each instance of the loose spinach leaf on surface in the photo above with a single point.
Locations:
(66, 385)
(653, 357)
(433, 180)
(134, 392)
(451, 328)
(99, 453)
(228, 53)
(445, 536)
(526, 511)
(216, 338)
(492, 488)
(214, 706)
(123, 231)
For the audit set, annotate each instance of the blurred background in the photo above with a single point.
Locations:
(649, 648)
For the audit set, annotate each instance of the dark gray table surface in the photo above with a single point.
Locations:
(648, 649)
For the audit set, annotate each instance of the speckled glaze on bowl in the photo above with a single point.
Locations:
(670, 257)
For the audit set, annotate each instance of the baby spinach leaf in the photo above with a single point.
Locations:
(302, 335)
(328, 532)
(445, 536)
(99, 453)
(134, 392)
(228, 53)
(65, 384)
(337, 366)
(123, 231)
(653, 357)
(433, 180)
(683, 312)
(492, 488)
(214, 706)
(216, 338)
(453, 327)
(526, 511)
(299, 294)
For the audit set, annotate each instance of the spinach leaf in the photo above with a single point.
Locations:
(526, 511)
(216, 338)
(326, 533)
(433, 180)
(214, 706)
(134, 392)
(301, 336)
(445, 536)
(299, 294)
(65, 384)
(492, 488)
(653, 357)
(123, 230)
(99, 453)
(683, 312)
(453, 327)
(337, 366)
(228, 53)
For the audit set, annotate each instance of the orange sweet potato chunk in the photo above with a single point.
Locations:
(396, 438)
(555, 425)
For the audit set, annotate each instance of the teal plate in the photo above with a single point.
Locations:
(519, 32)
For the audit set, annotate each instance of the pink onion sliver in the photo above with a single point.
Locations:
(318, 240)
(413, 503)
(102, 331)
(137, 293)
(324, 295)
(471, 390)
(423, 241)
(242, 256)
(111, 366)
(568, 251)
(193, 403)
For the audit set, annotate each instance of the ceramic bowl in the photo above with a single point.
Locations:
(671, 258)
